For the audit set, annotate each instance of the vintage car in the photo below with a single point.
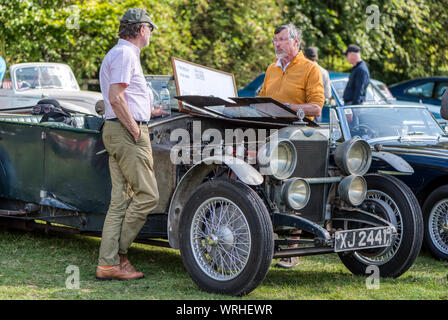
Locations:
(31, 82)
(413, 134)
(228, 205)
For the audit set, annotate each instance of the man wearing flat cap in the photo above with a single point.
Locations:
(128, 108)
(356, 89)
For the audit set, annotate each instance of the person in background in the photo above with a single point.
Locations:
(311, 53)
(2, 68)
(444, 106)
(355, 91)
(291, 78)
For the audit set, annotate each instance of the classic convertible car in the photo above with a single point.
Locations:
(227, 205)
(30, 82)
(413, 134)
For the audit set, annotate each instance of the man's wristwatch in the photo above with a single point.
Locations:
(288, 105)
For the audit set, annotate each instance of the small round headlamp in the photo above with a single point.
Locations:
(296, 193)
(353, 190)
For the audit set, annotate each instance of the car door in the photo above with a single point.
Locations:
(76, 168)
(6, 94)
(421, 92)
(439, 90)
(21, 169)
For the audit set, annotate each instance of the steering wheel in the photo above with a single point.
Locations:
(364, 131)
(25, 84)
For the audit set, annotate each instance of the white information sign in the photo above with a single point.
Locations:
(194, 79)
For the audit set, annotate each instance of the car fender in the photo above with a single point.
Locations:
(194, 177)
(396, 162)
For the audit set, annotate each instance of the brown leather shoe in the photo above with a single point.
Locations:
(288, 263)
(125, 264)
(117, 273)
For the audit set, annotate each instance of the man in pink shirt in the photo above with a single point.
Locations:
(128, 108)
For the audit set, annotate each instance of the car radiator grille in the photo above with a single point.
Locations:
(312, 162)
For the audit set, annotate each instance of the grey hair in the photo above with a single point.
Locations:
(293, 32)
(129, 30)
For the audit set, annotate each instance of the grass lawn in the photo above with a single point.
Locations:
(33, 266)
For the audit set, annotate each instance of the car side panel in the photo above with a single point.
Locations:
(21, 158)
(426, 170)
(74, 173)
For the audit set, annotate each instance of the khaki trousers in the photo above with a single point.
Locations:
(134, 190)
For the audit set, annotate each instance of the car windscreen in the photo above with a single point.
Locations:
(391, 122)
(373, 96)
(45, 77)
(384, 90)
(156, 83)
(237, 112)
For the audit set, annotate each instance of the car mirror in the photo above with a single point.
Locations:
(335, 129)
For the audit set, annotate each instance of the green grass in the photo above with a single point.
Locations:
(33, 266)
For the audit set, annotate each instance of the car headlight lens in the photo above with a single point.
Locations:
(296, 193)
(353, 190)
(278, 159)
(353, 157)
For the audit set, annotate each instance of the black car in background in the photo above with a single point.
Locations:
(413, 134)
(426, 90)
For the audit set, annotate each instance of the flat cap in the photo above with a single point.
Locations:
(352, 48)
(137, 15)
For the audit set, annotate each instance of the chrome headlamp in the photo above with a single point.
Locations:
(278, 159)
(353, 190)
(353, 157)
(296, 193)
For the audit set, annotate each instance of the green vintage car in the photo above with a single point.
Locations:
(228, 206)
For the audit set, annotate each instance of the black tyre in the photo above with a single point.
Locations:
(399, 257)
(226, 237)
(435, 215)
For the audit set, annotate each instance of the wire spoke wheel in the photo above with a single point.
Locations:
(438, 225)
(405, 214)
(435, 212)
(378, 257)
(226, 237)
(220, 239)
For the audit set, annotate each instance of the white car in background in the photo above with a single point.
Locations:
(31, 82)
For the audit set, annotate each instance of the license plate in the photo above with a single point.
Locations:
(349, 240)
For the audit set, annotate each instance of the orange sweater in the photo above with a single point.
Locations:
(300, 83)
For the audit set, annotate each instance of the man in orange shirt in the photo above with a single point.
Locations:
(291, 78)
(295, 81)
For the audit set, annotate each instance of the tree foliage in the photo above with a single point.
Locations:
(81, 32)
(408, 41)
(234, 35)
(230, 35)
